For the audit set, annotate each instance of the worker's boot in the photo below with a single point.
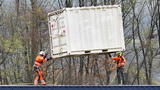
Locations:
(43, 82)
(35, 82)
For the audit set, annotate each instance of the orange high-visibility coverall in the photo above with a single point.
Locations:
(120, 60)
(39, 74)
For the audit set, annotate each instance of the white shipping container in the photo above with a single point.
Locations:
(86, 30)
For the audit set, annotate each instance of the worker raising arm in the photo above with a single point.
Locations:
(120, 60)
(42, 57)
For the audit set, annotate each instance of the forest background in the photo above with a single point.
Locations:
(24, 32)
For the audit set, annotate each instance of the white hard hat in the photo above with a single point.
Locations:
(42, 53)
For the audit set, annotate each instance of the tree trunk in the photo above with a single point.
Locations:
(80, 75)
(34, 39)
(107, 65)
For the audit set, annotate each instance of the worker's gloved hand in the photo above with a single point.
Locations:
(110, 55)
(49, 58)
(45, 55)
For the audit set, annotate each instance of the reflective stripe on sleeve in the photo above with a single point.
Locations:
(36, 63)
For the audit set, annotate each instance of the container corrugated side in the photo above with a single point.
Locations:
(87, 30)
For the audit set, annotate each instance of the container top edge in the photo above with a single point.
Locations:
(81, 8)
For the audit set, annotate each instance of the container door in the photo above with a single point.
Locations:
(58, 35)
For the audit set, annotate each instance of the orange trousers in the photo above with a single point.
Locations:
(39, 76)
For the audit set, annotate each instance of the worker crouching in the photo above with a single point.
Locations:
(42, 57)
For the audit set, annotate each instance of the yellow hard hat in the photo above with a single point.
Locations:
(119, 53)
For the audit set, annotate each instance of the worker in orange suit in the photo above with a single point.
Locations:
(120, 60)
(42, 57)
